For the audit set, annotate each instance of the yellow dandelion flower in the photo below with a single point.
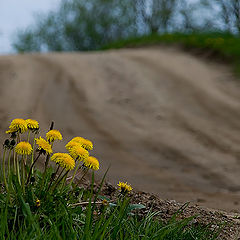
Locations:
(11, 131)
(92, 163)
(87, 144)
(53, 135)
(64, 160)
(124, 187)
(18, 125)
(105, 202)
(43, 145)
(72, 144)
(32, 124)
(38, 203)
(79, 153)
(23, 148)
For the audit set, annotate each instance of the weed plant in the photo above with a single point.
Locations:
(49, 203)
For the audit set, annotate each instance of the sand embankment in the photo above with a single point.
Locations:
(166, 121)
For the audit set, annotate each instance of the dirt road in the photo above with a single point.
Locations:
(167, 122)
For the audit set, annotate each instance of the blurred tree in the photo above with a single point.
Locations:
(157, 14)
(80, 25)
(88, 25)
(196, 16)
(186, 11)
(227, 12)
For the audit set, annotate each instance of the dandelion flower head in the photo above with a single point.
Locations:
(38, 203)
(92, 163)
(53, 135)
(43, 145)
(124, 187)
(64, 160)
(11, 130)
(105, 202)
(72, 144)
(79, 153)
(18, 125)
(32, 124)
(23, 148)
(87, 144)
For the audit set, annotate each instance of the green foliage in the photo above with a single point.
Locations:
(220, 45)
(60, 216)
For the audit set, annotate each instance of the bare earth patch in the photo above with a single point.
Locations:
(230, 222)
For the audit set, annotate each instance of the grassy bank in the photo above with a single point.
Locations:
(52, 204)
(219, 45)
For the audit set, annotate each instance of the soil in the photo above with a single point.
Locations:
(164, 120)
(227, 223)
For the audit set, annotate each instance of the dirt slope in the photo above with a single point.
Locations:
(166, 122)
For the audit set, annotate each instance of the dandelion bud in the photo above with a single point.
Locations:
(6, 143)
(53, 176)
(38, 203)
(12, 143)
(32, 179)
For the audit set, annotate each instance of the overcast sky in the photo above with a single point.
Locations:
(18, 14)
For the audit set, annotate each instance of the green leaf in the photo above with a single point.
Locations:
(103, 198)
(135, 206)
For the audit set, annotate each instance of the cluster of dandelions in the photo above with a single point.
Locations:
(24, 148)
(24, 152)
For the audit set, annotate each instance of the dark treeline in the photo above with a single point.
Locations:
(88, 25)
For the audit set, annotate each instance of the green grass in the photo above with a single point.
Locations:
(59, 218)
(40, 205)
(219, 45)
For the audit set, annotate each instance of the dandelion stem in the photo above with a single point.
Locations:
(18, 171)
(9, 168)
(84, 174)
(23, 173)
(78, 183)
(64, 180)
(4, 171)
(74, 174)
(34, 142)
(58, 182)
(59, 175)
(14, 163)
(31, 168)
(45, 171)
(53, 177)
(46, 162)
(28, 137)
(48, 156)
(18, 137)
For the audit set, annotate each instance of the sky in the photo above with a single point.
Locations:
(18, 14)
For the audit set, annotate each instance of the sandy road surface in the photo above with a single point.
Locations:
(166, 122)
